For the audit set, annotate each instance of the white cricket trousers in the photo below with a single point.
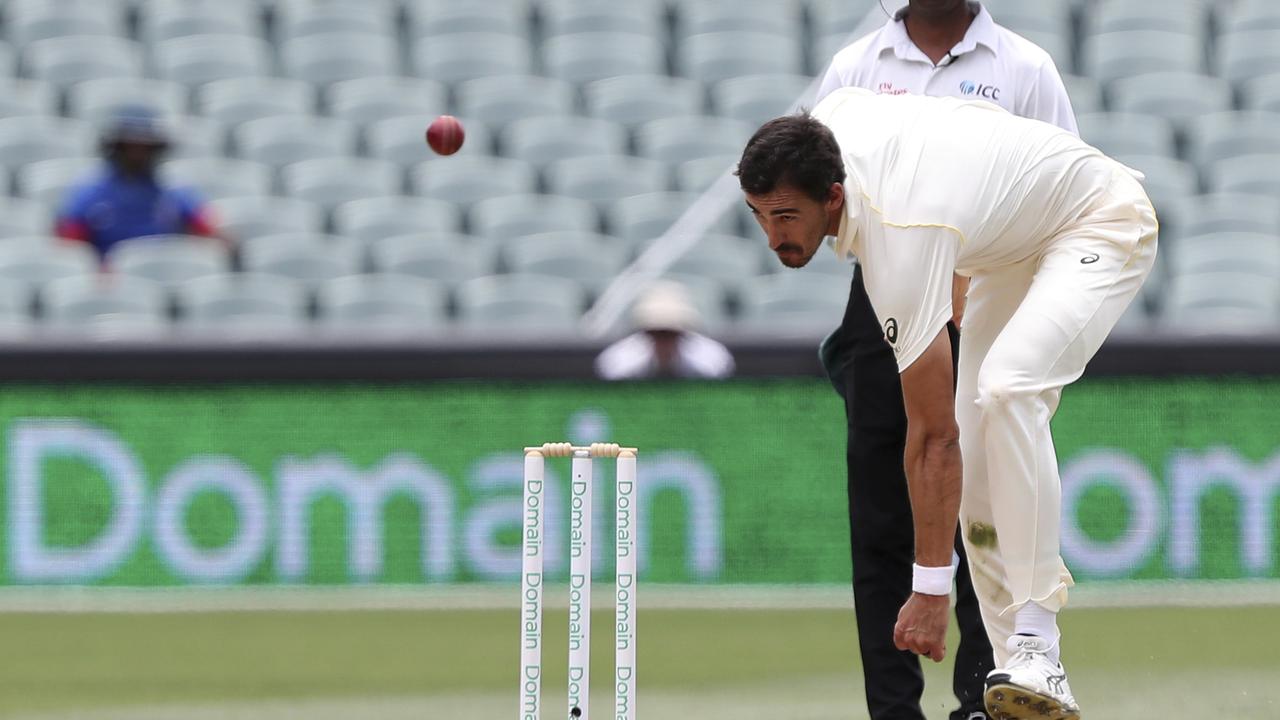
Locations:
(1029, 329)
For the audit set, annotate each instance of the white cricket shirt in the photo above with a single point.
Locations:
(942, 185)
(991, 63)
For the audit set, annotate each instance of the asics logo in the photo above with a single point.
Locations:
(1055, 682)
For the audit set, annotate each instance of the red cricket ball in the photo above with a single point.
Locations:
(445, 135)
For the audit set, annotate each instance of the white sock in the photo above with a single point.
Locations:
(1034, 619)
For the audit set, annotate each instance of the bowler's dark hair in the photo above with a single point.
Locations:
(794, 150)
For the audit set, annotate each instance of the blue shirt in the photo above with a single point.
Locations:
(111, 207)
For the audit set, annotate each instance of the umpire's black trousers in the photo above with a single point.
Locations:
(880, 528)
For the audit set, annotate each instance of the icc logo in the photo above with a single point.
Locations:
(990, 92)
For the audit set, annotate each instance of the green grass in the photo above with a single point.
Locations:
(1132, 663)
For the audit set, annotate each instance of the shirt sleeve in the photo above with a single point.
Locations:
(908, 274)
(72, 220)
(1047, 99)
(831, 81)
(195, 212)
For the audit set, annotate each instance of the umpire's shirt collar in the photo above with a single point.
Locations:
(982, 32)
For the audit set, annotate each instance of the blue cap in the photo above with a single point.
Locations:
(136, 124)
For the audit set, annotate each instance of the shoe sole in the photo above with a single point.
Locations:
(1012, 702)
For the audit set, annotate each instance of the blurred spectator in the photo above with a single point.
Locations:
(126, 199)
(666, 344)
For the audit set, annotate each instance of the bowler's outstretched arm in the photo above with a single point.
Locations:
(933, 467)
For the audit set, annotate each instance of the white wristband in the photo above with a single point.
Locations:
(932, 580)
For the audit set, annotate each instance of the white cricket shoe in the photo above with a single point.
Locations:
(1030, 686)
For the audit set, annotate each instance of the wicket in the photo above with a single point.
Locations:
(626, 525)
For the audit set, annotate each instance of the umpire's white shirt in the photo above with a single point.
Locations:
(991, 63)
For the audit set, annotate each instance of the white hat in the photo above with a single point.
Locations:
(665, 306)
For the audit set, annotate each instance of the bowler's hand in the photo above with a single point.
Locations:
(922, 625)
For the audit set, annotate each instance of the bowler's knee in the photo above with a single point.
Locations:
(1001, 393)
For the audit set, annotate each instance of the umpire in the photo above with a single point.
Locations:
(931, 47)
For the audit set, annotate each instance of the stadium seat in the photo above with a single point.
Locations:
(400, 140)
(169, 260)
(33, 264)
(1085, 94)
(242, 304)
(161, 21)
(755, 99)
(442, 257)
(1113, 55)
(1226, 212)
(24, 218)
(1035, 18)
(219, 177)
(21, 97)
(839, 16)
(198, 59)
(1177, 97)
(632, 100)
(48, 181)
(1221, 291)
(244, 218)
(565, 17)
(429, 19)
(695, 17)
(98, 302)
(1220, 136)
(540, 140)
(1127, 133)
(511, 216)
(329, 182)
(590, 264)
(676, 139)
(1246, 15)
(513, 304)
(457, 57)
(196, 137)
(1261, 93)
(729, 260)
(365, 100)
(604, 179)
(698, 174)
(32, 139)
(793, 303)
(590, 56)
(16, 300)
(712, 57)
(1226, 252)
(382, 304)
(1249, 174)
(500, 100)
(65, 61)
(1168, 180)
(467, 180)
(28, 21)
(381, 217)
(1135, 320)
(98, 100)
(333, 57)
(304, 257)
(237, 100)
(1180, 16)
(307, 18)
(1248, 54)
(645, 217)
(284, 139)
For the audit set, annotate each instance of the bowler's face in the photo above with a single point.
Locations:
(794, 223)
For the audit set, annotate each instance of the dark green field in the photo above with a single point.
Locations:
(1124, 664)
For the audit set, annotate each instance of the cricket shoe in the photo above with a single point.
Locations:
(1030, 686)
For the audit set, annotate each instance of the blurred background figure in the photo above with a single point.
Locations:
(126, 198)
(666, 344)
